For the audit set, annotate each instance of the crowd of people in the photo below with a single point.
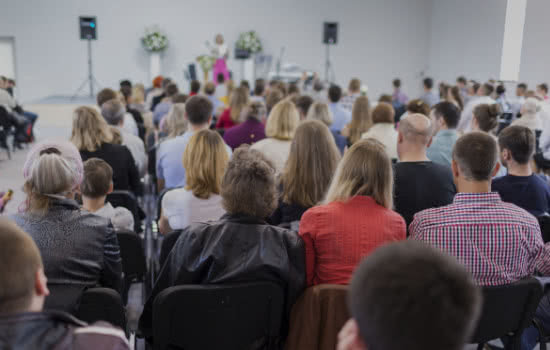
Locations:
(299, 184)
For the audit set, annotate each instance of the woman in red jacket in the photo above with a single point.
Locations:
(232, 115)
(356, 217)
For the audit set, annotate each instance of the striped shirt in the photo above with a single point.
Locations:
(498, 242)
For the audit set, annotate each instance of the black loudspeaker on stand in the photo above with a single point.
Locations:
(330, 37)
(88, 31)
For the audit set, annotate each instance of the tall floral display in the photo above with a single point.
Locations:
(249, 41)
(246, 48)
(155, 42)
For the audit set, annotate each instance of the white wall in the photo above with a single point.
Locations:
(466, 39)
(378, 40)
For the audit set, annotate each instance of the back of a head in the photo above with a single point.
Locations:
(396, 83)
(354, 85)
(361, 118)
(179, 98)
(157, 81)
(220, 78)
(416, 129)
(283, 121)
(476, 156)
(176, 123)
(105, 95)
(171, 90)
(205, 159)
(365, 170)
(245, 84)
(543, 87)
(249, 186)
(125, 83)
(449, 112)
(428, 83)
(334, 93)
(487, 89)
(166, 82)
(209, 88)
(293, 89)
(530, 106)
(414, 288)
(113, 111)
(89, 130)
(321, 112)
(195, 86)
(519, 141)
(199, 110)
(303, 103)
(98, 176)
(500, 90)
(487, 116)
(239, 100)
(255, 110)
(522, 86)
(126, 91)
(461, 80)
(309, 170)
(383, 113)
(418, 106)
(275, 96)
(259, 87)
(19, 263)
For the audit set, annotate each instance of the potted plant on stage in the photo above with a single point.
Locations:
(155, 42)
(207, 63)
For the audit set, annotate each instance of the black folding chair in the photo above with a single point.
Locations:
(168, 243)
(102, 304)
(239, 316)
(504, 121)
(64, 297)
(507, 311)
(544, 222)
(129, 201)
(544, 334)
(134, 265)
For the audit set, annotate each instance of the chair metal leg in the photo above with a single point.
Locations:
(480, 346)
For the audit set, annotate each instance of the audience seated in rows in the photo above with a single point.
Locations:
(383, 128)
(23, 290)
(498, 242)
(96, 185)
(170, 171)
(361, 120)
(446, 117)
(484, 93)
(341, 116)
(280, 128)
(93, 138)
(204, 160)
(354, 91)
(395, 277)
(129, 124)
(429, 97)
(241, 246)
(355, 217)
(162, 108)
(78, 248)
(232, 115)
(252, 128)
(307, 173)
(419, 183)
(320, 111)
(521, 186)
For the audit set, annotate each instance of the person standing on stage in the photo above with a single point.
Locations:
(221, 52)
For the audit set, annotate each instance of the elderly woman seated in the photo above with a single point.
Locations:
(241, 246)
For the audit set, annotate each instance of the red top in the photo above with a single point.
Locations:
(339, 234)
(225, 121)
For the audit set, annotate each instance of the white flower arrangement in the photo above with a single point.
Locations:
(154, 40)
(250, 42)
(206, 62)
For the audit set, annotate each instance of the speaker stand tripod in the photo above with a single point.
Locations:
(91, 80)
(328, 65)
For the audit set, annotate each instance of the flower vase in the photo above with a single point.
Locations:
(154, 65)
(206, 75)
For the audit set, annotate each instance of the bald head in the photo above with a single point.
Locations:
(416, 129)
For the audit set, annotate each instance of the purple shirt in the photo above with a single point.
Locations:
(399, 97)
(249, 132)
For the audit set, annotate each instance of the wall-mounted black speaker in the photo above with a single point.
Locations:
(88, 28)
(330, 32)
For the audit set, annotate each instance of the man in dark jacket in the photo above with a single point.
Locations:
(241, 246)
(23, 289)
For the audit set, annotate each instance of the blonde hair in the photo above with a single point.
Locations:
(90, 130)
(320, 111)
(309, 170)
(365, 170)
(361, 119)
(283, 121)
(205, 160)
(238, 102)
(138, 94)
(176, 123)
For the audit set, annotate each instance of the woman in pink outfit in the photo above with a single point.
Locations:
(221, 52)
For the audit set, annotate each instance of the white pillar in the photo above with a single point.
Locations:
(512, 41)
(154, 65)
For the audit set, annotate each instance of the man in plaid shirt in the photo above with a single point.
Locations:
(499, 243)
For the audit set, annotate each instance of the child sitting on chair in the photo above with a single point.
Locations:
(97, 184)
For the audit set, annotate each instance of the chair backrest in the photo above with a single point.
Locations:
(237, 316)
(64, 297)
(317, 317)
(544, 222)
(508, 310)
(134, 264)
(167, 244)
(128, 200)
(102, 304)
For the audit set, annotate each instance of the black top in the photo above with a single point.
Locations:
(125, 173)
(531, 193)
(156, 101)
(420, 186)
(286, 214)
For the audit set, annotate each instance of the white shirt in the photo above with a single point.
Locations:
(137, 148)
(130, 124)
(386, 134)
(531, 121)
(544, 116)
(6, 100)
(121, 218)
(220, 51)
(465, 123)
(275, 150)
(182, 208)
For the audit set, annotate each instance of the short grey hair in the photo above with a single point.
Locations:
(113, 111)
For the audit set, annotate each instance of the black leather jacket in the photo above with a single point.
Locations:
(236, 248)
(57, 331)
